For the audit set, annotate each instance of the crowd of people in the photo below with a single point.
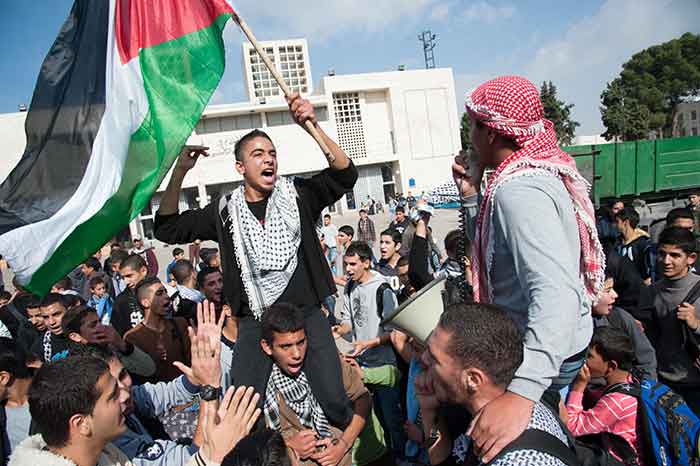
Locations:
(274, 349)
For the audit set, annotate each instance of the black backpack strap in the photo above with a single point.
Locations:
(380, 299)
(544, 442)
(693, 294)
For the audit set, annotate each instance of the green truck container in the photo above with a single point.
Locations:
(652, 170)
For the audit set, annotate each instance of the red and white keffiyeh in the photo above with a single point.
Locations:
(511, 106)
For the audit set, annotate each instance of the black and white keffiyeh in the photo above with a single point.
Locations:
(266, 253)
(297, 393)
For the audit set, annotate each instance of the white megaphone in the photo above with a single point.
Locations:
(421, 313)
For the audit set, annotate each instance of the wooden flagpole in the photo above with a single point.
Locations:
(283, 85)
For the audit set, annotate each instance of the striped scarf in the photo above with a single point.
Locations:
(511, 106)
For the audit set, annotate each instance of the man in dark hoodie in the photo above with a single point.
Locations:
(676, 316)
(127, 312)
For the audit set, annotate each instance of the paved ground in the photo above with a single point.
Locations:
(443, 221)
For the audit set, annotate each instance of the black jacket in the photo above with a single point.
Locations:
(315, 194)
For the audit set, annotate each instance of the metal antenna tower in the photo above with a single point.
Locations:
(429, 42)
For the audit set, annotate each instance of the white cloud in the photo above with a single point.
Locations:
(592, 51)
(488, 13)
(328, 18)
(440, 12)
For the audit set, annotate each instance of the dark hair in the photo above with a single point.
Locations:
(238, 148)
(403, 261)
(452, 243)
(178, 251)
(94, 281)
(93, 263)
(347, 230)
(115, 245)
(52, 401)
(678, 212)
(202, 274)
(33, 302)
(484, 336)
(363, 210)
(281, 318)
(679, 237)
(133, 262)
(6, 295)
(102, 352)
(53, 298)
(182, 270)
(207, 254)
(73, 319)
(400, 209)
(629, 214)
(145, 284)
(261, 448)
(327, 216)
(65, 283)
(12, 359)
(359, 249)
(119, 256)
(614, 345)
(395, 235)
(71, 300)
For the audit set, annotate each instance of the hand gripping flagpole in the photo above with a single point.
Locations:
(283, 85)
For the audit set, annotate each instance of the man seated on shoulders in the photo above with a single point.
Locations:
(291, 406)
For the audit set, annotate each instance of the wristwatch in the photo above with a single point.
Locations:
(209, 393)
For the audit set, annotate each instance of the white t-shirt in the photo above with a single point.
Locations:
(329, 234)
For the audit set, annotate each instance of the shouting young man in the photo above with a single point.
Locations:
(270, 253)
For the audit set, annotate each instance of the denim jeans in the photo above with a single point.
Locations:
(387, 406)
(559, 389)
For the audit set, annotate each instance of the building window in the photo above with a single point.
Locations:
(229, 123)
(695, 131)
(263, 82)
(293, 68)
(348, 119)
(350, 200)
(694, 115)
(284, 117)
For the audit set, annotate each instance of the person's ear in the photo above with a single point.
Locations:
(240, 168)
(267, 349)
(5, 379)
(80, 424)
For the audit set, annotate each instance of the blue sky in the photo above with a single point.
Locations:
(579, 45)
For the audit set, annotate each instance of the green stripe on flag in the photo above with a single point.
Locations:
(179, 77)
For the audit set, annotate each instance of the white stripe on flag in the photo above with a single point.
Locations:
(126, 105)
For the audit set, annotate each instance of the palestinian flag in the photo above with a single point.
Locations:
(117, 96)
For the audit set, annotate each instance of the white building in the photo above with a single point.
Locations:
(687, 121)
(400, 128)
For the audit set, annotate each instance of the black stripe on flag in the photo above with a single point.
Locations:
(62, 121)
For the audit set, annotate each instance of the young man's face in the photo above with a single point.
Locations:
(355, 267)
(444, 370)
(108, 421)
(617, 207)
(121, 375)
(86, 270)
(606, 300)
(179, 256)
(52, 315)
(622, 225)
(343, 239)
(87, 328)
(288, 350)
(686, 223)
(400, 216)
(35, 317)
(116, 266)
(159, 303)
(133, 277)
(259, 165)
(213, 287)
(326, 221)
(99, 290)
(138, 243)
(598, 367)
(694, 200)
(387, 247)
(675, 263)
(363, 215)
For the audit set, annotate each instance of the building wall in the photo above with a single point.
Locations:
(13, 141)
(687, 121)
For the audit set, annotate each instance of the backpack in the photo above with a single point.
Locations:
(379, 298)
(668, 427)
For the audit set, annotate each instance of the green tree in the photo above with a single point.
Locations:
(465, 131)
(644, 97)
(559, 113)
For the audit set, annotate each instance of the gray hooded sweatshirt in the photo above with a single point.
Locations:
(360, 311)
